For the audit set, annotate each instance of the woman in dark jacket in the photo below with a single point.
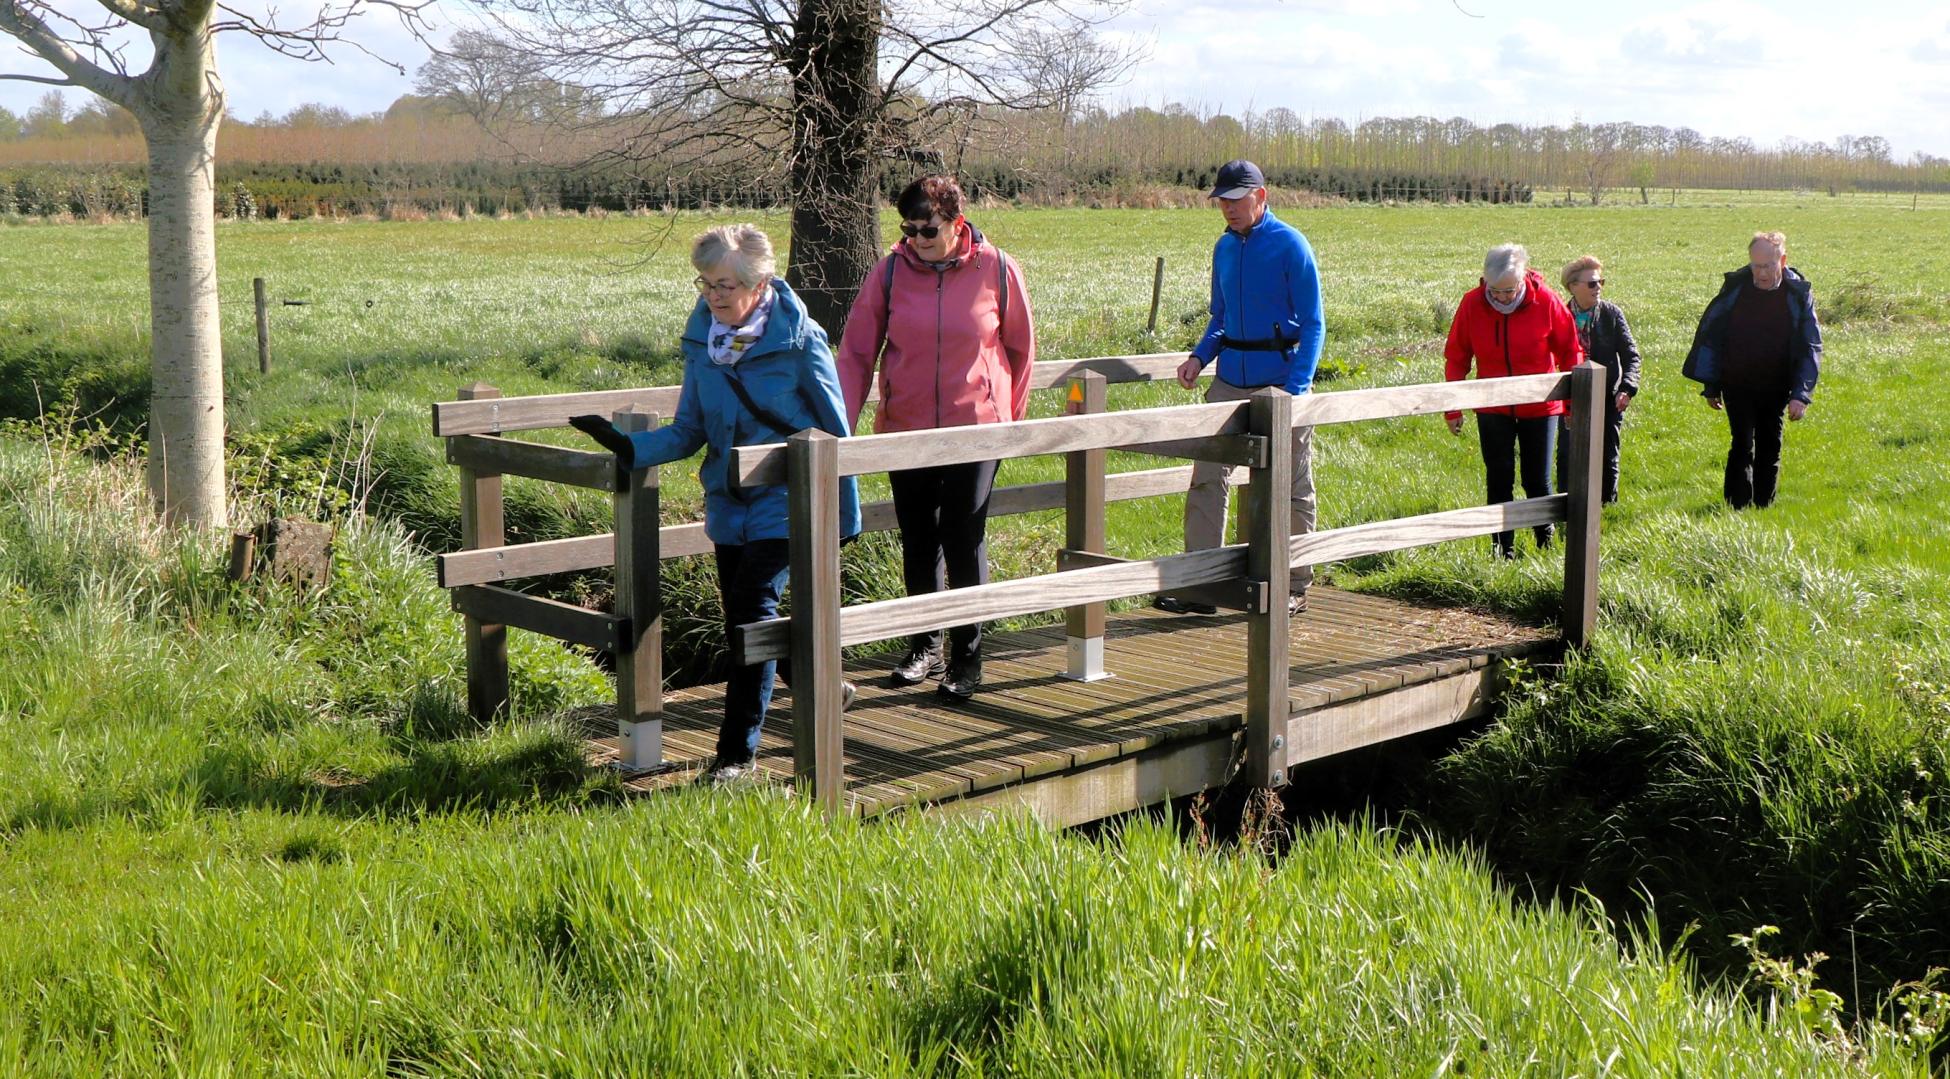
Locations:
(1607, 340)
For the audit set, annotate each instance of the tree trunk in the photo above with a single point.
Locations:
(180, 106)
(835, 89)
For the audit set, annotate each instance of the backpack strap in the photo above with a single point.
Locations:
(764, 416)
(1002, 291)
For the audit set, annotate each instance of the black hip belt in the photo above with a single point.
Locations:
(1269, 344)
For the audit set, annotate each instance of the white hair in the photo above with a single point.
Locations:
(746, 246)
(1505, 259)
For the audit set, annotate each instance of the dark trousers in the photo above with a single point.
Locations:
(751, 578)
(944, 515)
(1608, 472)
(1505, 440)
(1754, 459)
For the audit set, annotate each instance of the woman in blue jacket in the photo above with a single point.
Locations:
(756, 369)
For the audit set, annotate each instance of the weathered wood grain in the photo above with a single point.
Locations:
(553, 464)
(640, 650)
(537, 614)
(813, 501)
(759, 641)
(1580, 612)
(482, 526)
(1355, 541)
(759, 465)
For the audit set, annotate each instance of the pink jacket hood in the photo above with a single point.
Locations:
(950, 351)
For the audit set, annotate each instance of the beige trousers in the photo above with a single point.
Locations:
(1210, 494)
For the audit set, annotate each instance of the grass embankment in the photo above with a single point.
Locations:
(245, 834)
(1758, 736)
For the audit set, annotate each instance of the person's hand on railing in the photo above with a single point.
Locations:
(609, 436)
(1188, 372)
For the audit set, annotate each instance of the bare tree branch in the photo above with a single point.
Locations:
(19, 20)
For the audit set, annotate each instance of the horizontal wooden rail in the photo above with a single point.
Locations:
(1401, 533)
(758, 465)
(489, 456)
(862, 623)
(497, 564)
(563, 621)
(506, 414)
(756, 642)
(753, 466)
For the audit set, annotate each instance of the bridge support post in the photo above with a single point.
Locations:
(1084, 528)
(482, 525)
(1586, 492)
(1269, 564)
(636, 500)
(813, 505)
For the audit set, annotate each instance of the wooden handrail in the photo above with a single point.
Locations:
(765, 464)
(506, 414)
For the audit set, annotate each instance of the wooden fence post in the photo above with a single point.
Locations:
(263, 327)
(1083, 527)
(1157, 287)
(481, 526)
(640, 659)
(1269, 562)
(1586, 491)
(813, 501)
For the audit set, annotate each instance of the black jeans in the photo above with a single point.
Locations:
(1504, 439)
(944, 513)
(1614, 419)
(751, 577)
(1755, 418)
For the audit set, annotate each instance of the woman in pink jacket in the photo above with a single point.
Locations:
(946, 318)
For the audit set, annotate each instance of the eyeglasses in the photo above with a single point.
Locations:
(706, 288)
(1596, 282)
(925, 232)
(1503, 293)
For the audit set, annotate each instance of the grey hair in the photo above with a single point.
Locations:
(1504, 259)
(747, 246)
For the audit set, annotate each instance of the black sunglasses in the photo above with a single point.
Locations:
(1596, 282)
(925, 232)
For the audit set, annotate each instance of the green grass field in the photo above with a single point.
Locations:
(246, 833)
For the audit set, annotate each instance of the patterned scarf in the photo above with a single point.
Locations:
(726, 345)
(1585, 320)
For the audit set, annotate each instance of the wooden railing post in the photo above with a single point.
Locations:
(1084, 528)
(1268, 529)
(640, 653)
(263, 326)
(813, 503)
(1586, 449)
(482, 526)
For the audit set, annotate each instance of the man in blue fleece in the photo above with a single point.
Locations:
(1266, 330)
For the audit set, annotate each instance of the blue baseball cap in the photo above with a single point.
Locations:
(1237, 178)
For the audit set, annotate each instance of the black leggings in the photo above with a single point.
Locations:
(1504, 439)
(1754, 419)
(943, 513)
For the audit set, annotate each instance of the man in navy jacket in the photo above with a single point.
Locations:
(1758, 353)
(1266, 330)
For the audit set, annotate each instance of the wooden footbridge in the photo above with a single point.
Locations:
(1107, 713)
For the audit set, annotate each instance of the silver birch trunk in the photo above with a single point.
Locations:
(179, 102)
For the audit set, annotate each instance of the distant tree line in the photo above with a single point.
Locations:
(465, 151)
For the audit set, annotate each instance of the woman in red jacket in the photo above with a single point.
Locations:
(1512, 324)
(946, 318)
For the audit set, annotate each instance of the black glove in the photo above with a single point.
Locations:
(610, 438)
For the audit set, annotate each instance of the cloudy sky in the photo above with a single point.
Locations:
(1800, 68)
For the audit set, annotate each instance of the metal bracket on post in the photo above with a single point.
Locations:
(1268, 646)
(639, 610)
(1084, 529)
